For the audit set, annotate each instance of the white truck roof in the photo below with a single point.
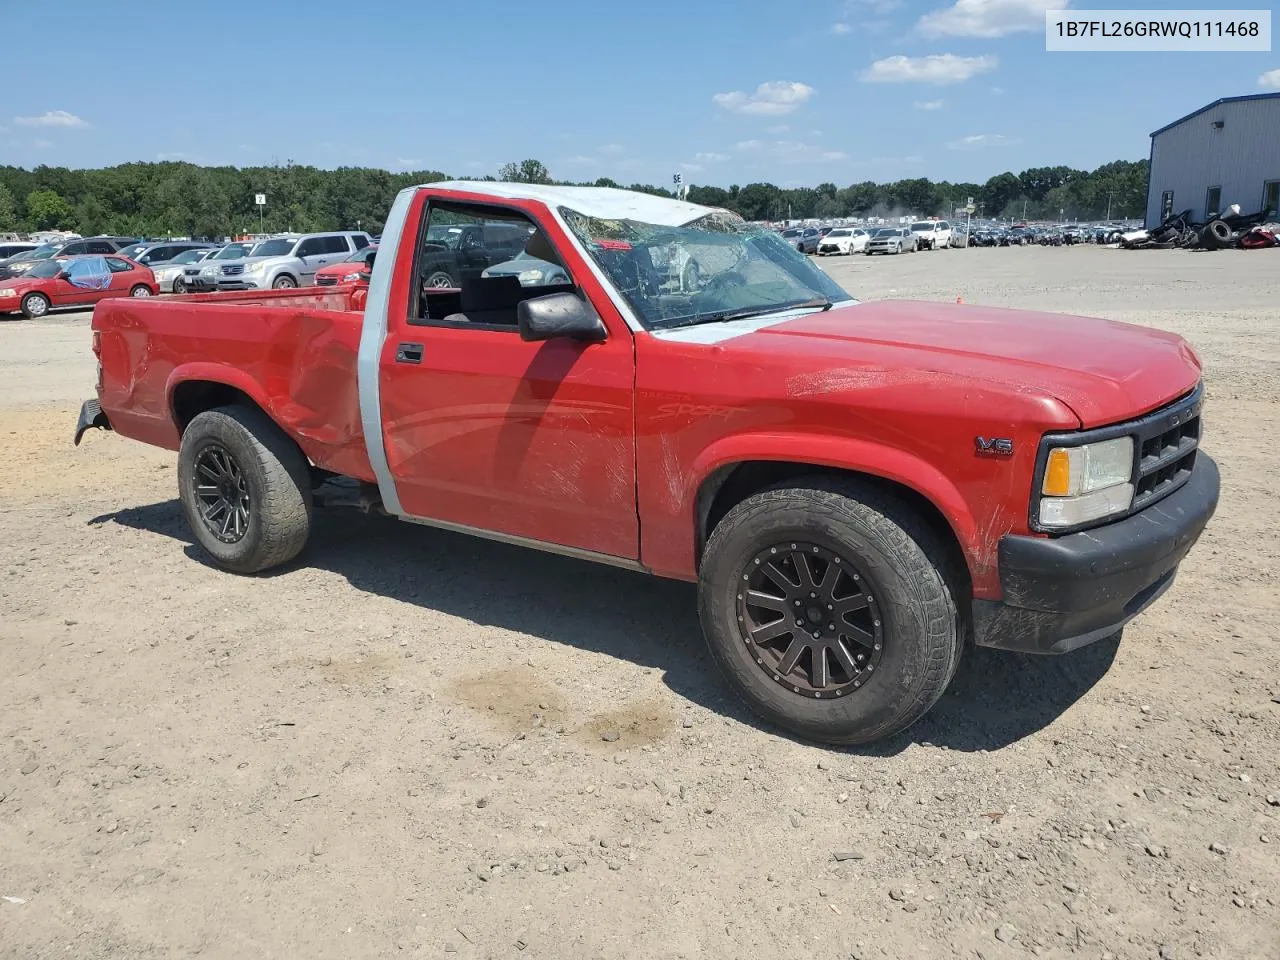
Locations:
(605, 203)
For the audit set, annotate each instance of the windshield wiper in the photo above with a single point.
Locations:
(724, 316)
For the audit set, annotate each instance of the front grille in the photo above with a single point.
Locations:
(233, 271)
(1167, 442)
(191, 272)
(328, 281)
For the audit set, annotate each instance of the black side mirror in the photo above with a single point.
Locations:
(559, 315)
(62, 275)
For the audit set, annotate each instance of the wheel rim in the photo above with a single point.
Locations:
(221, 493)
(179, 286)
(283, 282)
(37, 306)
(809, 619)
(439, 281)
(141, 292)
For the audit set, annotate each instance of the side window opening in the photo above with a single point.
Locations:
(475, 264)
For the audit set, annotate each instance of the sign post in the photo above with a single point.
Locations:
(968, 209)
(261, 200)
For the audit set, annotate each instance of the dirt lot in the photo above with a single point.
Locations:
(393, 748)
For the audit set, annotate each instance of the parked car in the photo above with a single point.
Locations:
(153, 254)
(459, 252)
(74, 282)
(354, 269)
(171, 275)
(16, 266)
(891, 240)
(844, 241)
(282, 262)
(932, 234)
(16, 248)
(804, 239)
(533, 271)
(1009, 503)
(194, 279)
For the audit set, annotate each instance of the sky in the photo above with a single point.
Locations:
(724, 92)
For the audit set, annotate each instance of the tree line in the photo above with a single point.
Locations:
(182, 199)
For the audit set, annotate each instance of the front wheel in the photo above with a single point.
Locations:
(285, 282)
(141, 290)
(826, 606)
(179, 286)
(34, 305)
(245, 488)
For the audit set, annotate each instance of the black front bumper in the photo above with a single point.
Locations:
(1062, 593)
(91, 415)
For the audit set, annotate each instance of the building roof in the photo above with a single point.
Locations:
(605, 203)
(1216, 103)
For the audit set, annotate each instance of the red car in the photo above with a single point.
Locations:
(355, 269)
(857, 488)
(75, 282)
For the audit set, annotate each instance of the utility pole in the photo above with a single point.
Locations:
(1108, 204)
(1024, 209)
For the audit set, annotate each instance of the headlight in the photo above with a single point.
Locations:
(8, 293)
(348, 277)
(1087, 482)
(209, 271)
(530, 276)
(255, 267)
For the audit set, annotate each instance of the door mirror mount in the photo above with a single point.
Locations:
(558, 315)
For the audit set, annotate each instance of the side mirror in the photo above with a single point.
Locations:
(62, 275)
(559, 315)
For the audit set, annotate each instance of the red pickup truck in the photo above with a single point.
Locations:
(858, 489)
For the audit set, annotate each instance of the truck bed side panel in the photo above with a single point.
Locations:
(294, 354)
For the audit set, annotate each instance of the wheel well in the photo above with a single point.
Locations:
(730, 485)
(193, 397)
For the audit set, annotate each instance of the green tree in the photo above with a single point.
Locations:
(526, 171)
(47, 210)
(8, 210)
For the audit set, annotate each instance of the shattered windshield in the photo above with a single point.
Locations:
(715, 268)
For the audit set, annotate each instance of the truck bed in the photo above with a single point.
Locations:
(293, 352)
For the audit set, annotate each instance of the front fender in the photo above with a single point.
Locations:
(845, 453)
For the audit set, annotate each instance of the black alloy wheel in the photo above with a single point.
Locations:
(810, 618)
(221, 493)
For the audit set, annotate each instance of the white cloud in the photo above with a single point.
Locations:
(52, 118)
(988, 18)
(928, 104)
(1270, 80)
(612, 148)
(790, 151)
(42, 144)
(711, 157)
(840, 29)
(771, 99)
(940, 69)
(978, 141)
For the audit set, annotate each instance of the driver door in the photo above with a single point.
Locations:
(486, 431)
(85, 280)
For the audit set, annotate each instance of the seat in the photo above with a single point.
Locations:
(489, 300)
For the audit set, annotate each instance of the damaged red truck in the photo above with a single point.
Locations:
(858, 489)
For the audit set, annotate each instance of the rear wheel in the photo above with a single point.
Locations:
(826, 607)
(141, 290)
(34, 305)
(245, 488)
(439, 279)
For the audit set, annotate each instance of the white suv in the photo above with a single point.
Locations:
(932, 234)
(284, 261)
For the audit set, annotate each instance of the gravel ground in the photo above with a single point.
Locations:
(416, 744)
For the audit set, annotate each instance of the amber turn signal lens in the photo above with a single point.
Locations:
(1057, 474)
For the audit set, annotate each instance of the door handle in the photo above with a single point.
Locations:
(409, 353)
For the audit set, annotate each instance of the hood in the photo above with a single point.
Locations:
(1103, 370)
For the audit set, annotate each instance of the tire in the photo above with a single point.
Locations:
(910, 608)
(440, 279)
(179, 286)
(275, 483)
(140, 290)
(34, 306)
(1216, 235)
(283, 282)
